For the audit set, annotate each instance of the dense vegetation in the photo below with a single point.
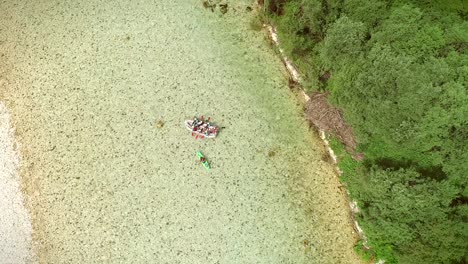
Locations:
(399, 70)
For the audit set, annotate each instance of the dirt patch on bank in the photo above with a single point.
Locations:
(330, 119)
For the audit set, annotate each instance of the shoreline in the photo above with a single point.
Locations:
(294, 74)
(15, 222)
(296, 77)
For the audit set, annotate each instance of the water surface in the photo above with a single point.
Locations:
(88, 82)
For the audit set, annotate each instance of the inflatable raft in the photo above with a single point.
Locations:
(201, 128)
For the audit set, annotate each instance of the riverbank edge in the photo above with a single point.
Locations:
(15, 221)
(296, 78)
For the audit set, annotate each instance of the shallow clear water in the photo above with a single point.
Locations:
(88, 83)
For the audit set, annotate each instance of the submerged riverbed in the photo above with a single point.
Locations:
(98, 93)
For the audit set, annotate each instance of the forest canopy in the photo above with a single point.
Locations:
(398, 69)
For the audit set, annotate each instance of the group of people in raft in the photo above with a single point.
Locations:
(200, 126)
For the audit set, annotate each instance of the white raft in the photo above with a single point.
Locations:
(189, 126)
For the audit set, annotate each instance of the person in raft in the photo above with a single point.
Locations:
(211, 130)
(196, 123)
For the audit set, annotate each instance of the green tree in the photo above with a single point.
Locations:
(406, 32)
(371, 13)
(413, 214)
(343, 43)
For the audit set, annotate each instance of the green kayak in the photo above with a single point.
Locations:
(203, 161)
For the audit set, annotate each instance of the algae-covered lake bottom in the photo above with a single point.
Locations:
(89, 85)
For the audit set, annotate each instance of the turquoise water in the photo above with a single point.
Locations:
(88, 83)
